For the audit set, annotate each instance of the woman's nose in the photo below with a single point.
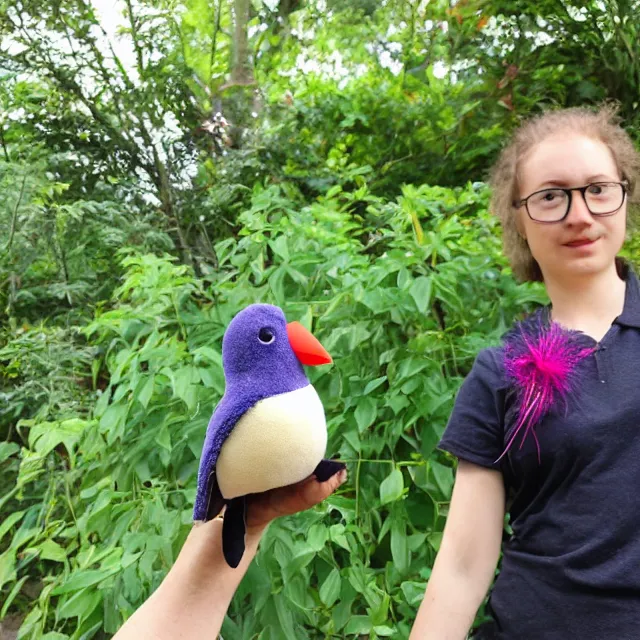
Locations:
(579, 212)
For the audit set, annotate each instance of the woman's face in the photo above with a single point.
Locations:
(581, 244)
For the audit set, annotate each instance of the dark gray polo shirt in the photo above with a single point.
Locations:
(571, 569)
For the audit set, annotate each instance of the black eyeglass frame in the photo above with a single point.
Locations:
(569, 191)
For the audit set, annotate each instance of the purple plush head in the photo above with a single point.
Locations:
(256, 346)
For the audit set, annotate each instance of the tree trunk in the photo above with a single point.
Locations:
(242, 66)
(165, 192)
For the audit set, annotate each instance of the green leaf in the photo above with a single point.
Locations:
(280, 248)
(163, 438)
(83, 579)
(399, 547)
(112, 421)
(341, 612)
(358, 625)
(429, 440)
(398, 403)
(12, 595)
(357, 334)
(391, 487)
(276, 282)
(7, 566)
(296, 276)
(144, 396)
(420, 291)
(336, 533)
(9, 521)
(435, 538)
(7, 449)
(413, 592)
(403, 279)
(373, 385)
(385, 528)
(208, 354)
(384, 631)
(298, 562)
(297, 590)
(102, 403)
(50, 550)
(353, 439)
(317, 537)
(92, 490)
(409, 367)
(443, 476)
(45, 436)
(212, 378)
(183, 381)
(81, 605)
(330, 589)
(365, 413)
(285, 617)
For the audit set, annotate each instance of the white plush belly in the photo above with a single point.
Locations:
(277, 442)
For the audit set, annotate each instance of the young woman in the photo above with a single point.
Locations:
(571, 566)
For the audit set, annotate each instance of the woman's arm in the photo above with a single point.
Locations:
(193, 599)
(468, 556)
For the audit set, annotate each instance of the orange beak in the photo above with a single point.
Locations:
(307, 348)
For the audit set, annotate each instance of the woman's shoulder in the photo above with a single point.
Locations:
(488, 369)
(490, 362)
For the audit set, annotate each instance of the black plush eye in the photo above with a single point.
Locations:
(266, 336)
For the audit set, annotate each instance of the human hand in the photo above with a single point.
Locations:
(262, 508)
(193, 599)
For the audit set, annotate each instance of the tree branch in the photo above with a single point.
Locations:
(134, 38)
(4, 145)
(14, 218)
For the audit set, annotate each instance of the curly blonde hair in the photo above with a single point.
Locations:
(602, 125)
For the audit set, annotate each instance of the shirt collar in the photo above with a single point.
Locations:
(630, 316)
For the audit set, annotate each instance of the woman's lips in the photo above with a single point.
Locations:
(581, 243)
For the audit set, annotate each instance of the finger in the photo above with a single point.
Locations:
(292, 498)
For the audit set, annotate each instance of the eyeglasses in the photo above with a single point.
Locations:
(553, 205)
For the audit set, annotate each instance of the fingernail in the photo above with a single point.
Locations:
(342, 476)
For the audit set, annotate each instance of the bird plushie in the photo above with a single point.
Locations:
(269, 428)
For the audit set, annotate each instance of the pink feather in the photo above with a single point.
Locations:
(540, 361)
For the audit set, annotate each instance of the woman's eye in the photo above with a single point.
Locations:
(266, 336)
(549, 198)
(596, 189)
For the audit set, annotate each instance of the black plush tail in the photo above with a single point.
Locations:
(234, 524)
(233, 530)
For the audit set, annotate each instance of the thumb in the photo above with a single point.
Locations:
(315, 491)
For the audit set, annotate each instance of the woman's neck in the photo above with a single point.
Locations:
(589, 304)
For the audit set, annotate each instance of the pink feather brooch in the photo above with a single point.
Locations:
(540, 361)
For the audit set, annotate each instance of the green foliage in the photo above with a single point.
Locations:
(60, 255)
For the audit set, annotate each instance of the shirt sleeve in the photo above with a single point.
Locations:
(475, 428)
